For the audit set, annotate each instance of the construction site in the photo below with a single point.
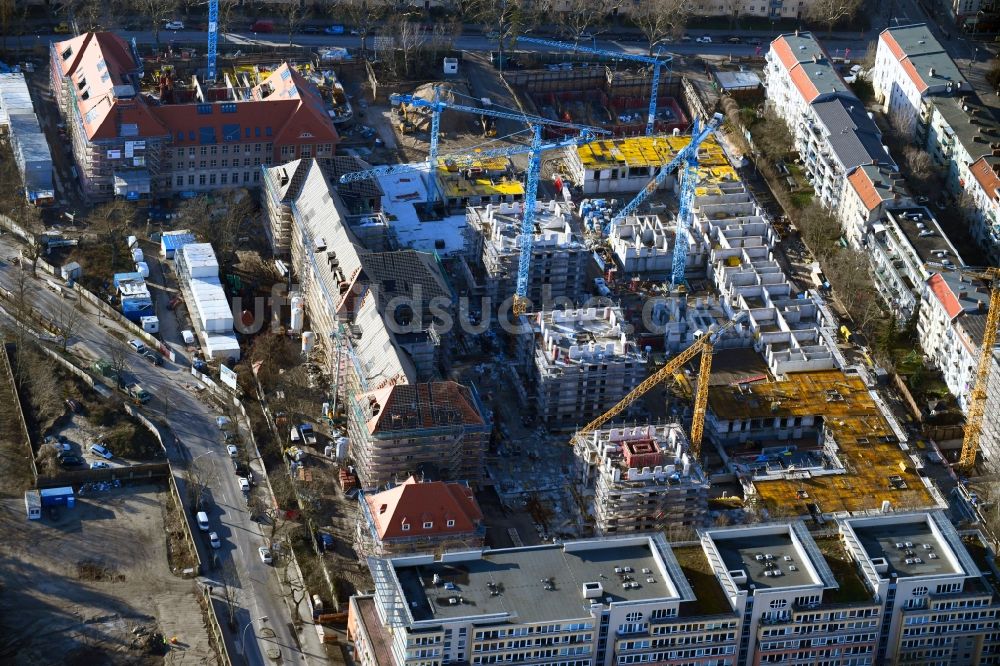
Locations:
(599, 96)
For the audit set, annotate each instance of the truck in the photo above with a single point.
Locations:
(308, 434)
(139, 395)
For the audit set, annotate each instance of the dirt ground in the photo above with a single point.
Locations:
(93, 586)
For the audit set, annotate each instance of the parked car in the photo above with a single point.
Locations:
(262, 25)
(309, 30)
(265, 554)
(100, 464)
(174, 25)
(71, 461)
(102, 451)
(137, 346)
(152, 357)
(244, 485)
(213, 540)
(62, 29)
(732, 40)
(243, 470)
(232, 451)
(704, 39)
(755, 42)
(334, 30)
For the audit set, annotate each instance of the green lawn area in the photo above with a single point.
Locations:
(802, 199)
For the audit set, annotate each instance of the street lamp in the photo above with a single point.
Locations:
(243, 637)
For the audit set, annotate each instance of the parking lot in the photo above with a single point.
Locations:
(92, 585)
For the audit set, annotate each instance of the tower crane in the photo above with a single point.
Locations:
(688, 158)
(436, 105)
(704, 346)
(657, 63)
(461, 159)
(213, 39)
(977, 404)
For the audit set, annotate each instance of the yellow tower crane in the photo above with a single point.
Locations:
(977, 403)
(703, 345)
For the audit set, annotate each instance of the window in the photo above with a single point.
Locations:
(213, 150)
(204, 150)
(180, 181)
(406, 527)
(201, 179)
(212, 164)
(223, 178)
(191, 180)
(267, 131)
(429, 525)
(919, 591)
(229, 107)
(211, 179)
(305, 150)
(205, 109)
(451, 523)
(201, 164)
(778, 603)
(634, 616)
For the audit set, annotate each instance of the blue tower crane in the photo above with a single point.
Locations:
(531, 179)
(688, 157)
(213, 39)
(657, 63)
(437, 105)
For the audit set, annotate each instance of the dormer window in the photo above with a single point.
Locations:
(406, 527)
(68, 53)
(382, 508)
(81, 84)
(451, 523)
(429, 525)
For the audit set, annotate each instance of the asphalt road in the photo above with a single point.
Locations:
(193, 420)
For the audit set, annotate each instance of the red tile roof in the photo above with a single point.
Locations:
(804, 84)
(945, 296)
(892, 44)
(911, 72)
(784, 52)
(414, 503)
(863, 185)
(982, 171)
(285, 101)
(899, 54)
(97, 65)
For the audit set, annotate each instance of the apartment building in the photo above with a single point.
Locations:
(793, 609)
(910, 66)
(138, 139)
(640, 478)
(584, 363)
(950, 328)
(937, 608)
(765, 594)
(619, 600)
(872, 190)
(833, 133)
(418, 517)
(923, 88)
(360, 200)
(905, 248)
(434, 430)
(559, 258)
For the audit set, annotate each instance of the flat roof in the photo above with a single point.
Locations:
(925, 52)
(759, 552)
(977, 136)
(907, 547)
(514, 581)
(917, 220)
(737, 80)
(868, 447)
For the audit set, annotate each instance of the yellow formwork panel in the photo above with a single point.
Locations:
(646, 151)
(493, 164)
(851, 415)
(455, 187)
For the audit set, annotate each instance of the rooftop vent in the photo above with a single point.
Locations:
(739, 576)
(881, 564)
(931, 72)
(592, 590)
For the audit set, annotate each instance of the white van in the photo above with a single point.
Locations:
(202, 521)
(294, 435)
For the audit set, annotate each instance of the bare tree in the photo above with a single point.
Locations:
(110, 221)
(819, 228)
(920, 169)
(658, 19)
(47, 461)
(118, 359)
(410, 36)
(577, 17)
(294, 13)
(361, 15)
(199, 477)
(6, 12)
(65, 321)
(158, 12)
(506, 19)
(230, 591)
(771, 135)
(830, 12)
